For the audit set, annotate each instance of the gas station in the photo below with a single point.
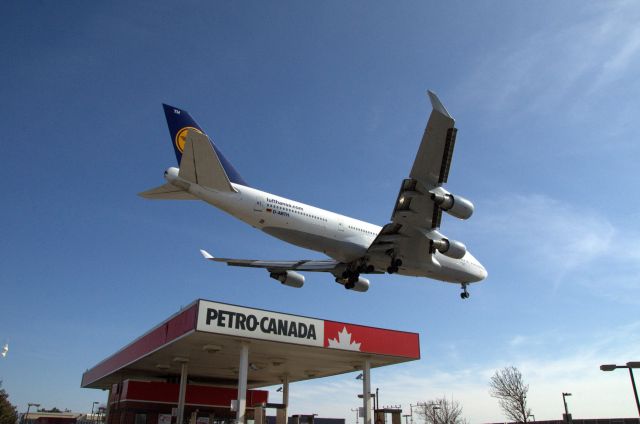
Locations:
(208, 361)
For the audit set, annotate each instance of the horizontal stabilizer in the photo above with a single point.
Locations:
(167, 192)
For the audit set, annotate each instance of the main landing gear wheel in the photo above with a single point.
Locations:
(395, 265)
(465, 293)
(351, 277)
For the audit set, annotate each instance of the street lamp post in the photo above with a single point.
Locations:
(566, 410)
(411, 409)
(357, 411)
(629, 366)
(93, 406)
(435, 414)
(29, 405)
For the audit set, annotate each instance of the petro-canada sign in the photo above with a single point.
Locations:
(234, 320)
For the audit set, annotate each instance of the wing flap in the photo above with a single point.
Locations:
(447, 155)
(300, 265)
(432, 162)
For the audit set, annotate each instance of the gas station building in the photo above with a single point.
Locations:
(207, 363)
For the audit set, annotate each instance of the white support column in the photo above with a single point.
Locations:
(243, 370)
(184, 374)
(366, 390)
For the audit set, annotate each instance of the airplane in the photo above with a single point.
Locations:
(410, 244)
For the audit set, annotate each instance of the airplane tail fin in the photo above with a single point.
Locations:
(201, 165)
(181, 125)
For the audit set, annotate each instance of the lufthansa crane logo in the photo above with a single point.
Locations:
(181, 137)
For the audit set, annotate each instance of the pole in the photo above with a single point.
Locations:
(182, 393)
(26, 415)
(285, 395)
(93, 417)
(243, 370)
(357, 413)
(635, 391)
(366, 390)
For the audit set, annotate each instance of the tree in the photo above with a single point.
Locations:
(8, 412)
(54, 409)
(508, 387)
(441, 411)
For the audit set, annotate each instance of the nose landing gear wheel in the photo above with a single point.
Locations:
(465, 293)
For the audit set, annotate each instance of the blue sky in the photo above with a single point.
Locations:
(325, 103)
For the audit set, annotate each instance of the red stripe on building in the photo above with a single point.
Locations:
(170, 330)
(196, 395)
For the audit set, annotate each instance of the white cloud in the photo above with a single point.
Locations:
(569, 364)
(561, 242)
(546, 232)
(562, 64)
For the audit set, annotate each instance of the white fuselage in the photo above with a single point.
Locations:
(340, 237)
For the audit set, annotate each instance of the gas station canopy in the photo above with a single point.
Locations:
(210, 335)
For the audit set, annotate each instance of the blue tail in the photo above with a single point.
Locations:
(179, 122)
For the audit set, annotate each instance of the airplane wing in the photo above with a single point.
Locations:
(416, 214)
(301, 265)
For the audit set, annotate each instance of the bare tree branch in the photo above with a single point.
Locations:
(441, 411)
(508, 387)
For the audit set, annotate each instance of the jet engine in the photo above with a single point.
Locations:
(288, 278)
(451, 248)
(362, 285)
(456, 206)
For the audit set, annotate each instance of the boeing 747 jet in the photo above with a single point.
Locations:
(410, 244)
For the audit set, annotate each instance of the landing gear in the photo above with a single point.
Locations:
(395, 265)
(351, 278)
(465, 293)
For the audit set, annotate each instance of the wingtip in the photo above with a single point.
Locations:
(206, 254)
(437, 104)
